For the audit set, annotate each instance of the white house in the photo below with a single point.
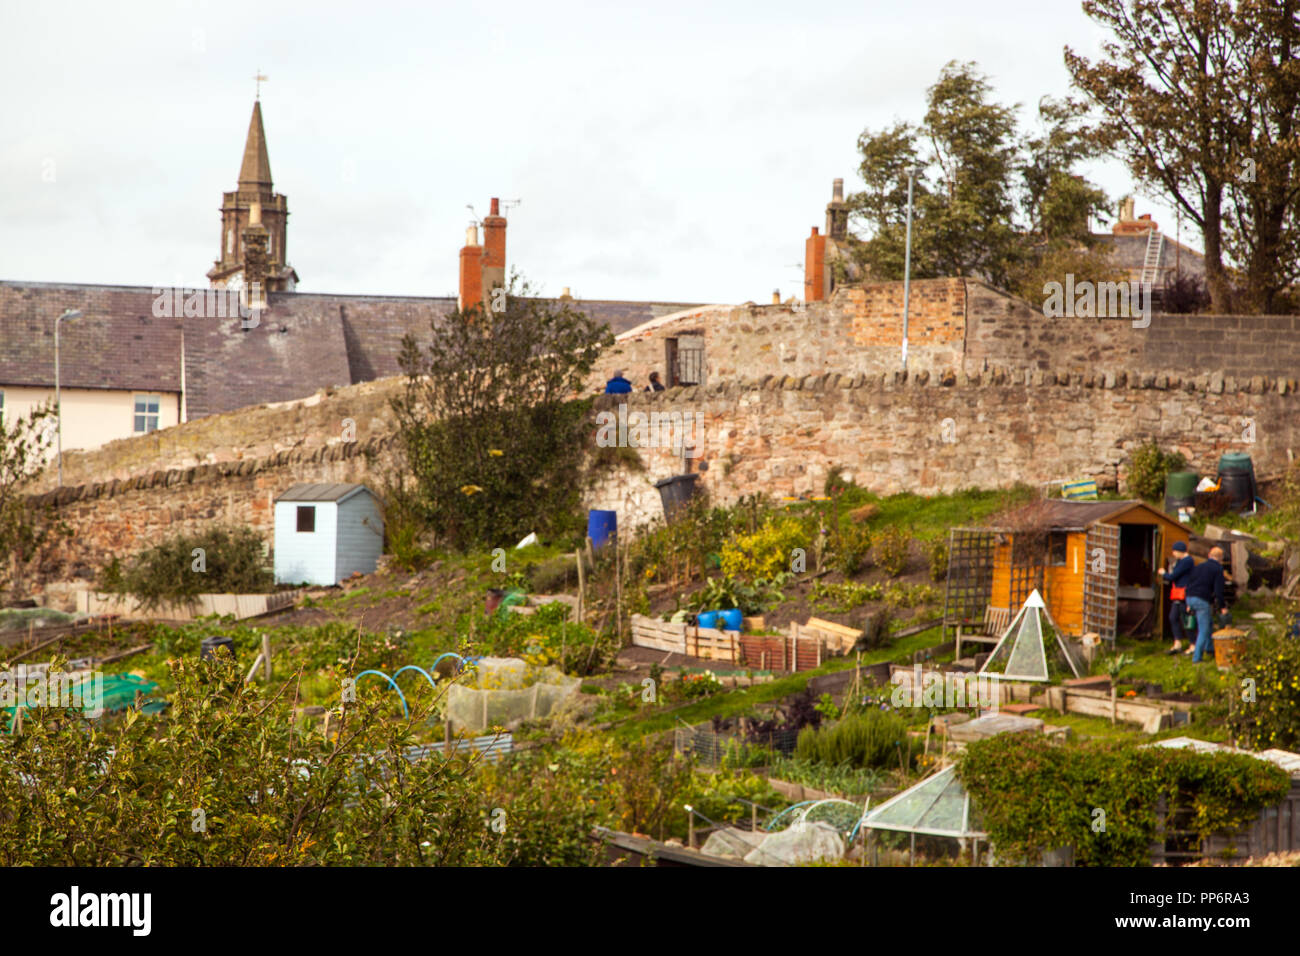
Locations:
(325, 532)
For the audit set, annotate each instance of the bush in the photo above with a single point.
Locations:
(851, 550)
(767, 552)
(892, 550)
(938, 560)
(215, 561)
(1272, 718)
(1148, 469)
(873, 738)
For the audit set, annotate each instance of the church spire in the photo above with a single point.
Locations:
(255, 171)
(254, 223)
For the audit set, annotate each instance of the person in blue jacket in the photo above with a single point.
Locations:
(1204, 593)
(618, 385)
(1177, 578)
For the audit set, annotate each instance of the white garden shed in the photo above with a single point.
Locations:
(325, 532)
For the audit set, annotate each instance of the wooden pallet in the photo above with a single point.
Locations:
(706, 643)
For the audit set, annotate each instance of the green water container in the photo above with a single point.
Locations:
(1181, 484)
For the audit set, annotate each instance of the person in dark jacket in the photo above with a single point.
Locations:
(618, 385)
(1204, 596)
(655, 385)
(1176, 576)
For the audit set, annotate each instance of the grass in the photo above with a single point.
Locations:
(931, 517)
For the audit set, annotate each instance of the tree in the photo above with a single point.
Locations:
(1200, 100)
(988, 202)
(963, 195)
(24, 532)
(492, 434)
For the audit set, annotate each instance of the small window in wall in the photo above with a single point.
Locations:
(1057, 549)
(146, 413)
(306, 519)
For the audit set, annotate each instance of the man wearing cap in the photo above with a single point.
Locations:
(618, 385)
(1177, 578)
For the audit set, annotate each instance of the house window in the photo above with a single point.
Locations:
(306, 519)
(1057, 549)
(146, 413)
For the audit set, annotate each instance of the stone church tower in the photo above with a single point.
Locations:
(254, 224)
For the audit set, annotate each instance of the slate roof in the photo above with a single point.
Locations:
(320, 492)
(304, 342)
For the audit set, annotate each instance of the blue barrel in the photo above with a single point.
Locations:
(601, 526)
(707, 619)
(732, 619)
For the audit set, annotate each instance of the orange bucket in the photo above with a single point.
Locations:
(1228, 650)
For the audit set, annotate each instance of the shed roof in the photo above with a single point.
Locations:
(1077, 515)
(320, 492)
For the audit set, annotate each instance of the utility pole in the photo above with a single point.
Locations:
(907, 263)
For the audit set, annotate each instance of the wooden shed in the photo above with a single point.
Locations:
(1094, 562)
(325, 532)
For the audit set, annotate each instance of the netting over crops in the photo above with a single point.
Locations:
(504, 691)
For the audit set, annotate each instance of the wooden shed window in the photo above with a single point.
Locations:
(1058, 549)
(306, 518)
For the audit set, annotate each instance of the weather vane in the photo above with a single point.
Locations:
(260, 79)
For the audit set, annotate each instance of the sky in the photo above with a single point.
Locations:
(674, 152)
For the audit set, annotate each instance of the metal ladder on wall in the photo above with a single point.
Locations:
(1151, 262)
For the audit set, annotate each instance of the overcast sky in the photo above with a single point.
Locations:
(677, 152)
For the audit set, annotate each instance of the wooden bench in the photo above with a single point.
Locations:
(996, 622)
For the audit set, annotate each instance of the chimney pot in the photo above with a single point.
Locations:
(471, 236)
(255, 214)
(496, 206)
(837, 190)
(776, 296)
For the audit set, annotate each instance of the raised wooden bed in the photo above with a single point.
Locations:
(1151, 715)
(706, 643)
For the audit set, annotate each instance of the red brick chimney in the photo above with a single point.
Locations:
(814, 267)
(494, 249)
(471, 271)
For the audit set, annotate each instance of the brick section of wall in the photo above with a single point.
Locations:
(859, 329)
(779, 435)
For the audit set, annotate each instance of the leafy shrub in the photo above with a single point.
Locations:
(938, 559)
(720, 594)
(1148, 469)
(1272, 719)
(1036, 795)
(852, 549)
(230, 560)
(765, 553)
(872, 738)
(891, 552)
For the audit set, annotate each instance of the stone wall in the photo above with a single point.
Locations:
(778, 434)
(250, 434)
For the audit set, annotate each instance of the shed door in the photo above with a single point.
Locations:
(1101, 580)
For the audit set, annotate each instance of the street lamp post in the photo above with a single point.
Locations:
(907, 264)
(58, 392)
